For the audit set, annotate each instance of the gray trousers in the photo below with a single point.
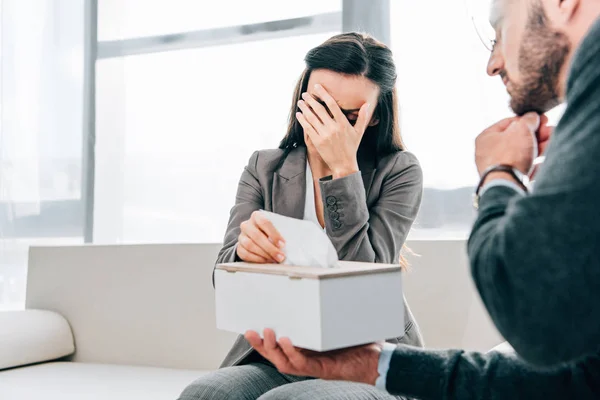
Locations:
(262, 381)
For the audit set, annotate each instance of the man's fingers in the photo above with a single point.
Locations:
(532, 120)
(299, 360)
(542, 146)
(544, 133)
(283, 355)
(258, 343)
(273, 352)
(502, 125)
(270, 340)
(529, 123)
(254, 339)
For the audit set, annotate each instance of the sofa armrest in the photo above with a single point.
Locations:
(32, 336)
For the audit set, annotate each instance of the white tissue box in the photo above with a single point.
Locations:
(319, 309)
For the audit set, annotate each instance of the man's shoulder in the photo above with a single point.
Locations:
(584, 68)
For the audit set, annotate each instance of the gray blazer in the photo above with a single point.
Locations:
(367, 214)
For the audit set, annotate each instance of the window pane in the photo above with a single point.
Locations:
(125, 19)
(40, 134)
(175, 130)
(446, 100)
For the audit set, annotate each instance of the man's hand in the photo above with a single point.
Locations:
(543, 137)
(512, 141)
(357, 364)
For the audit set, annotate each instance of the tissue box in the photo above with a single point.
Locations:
(319, 309)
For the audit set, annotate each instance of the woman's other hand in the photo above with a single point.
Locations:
(330, 131)
(259, 242)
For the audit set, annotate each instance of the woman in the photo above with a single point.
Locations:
(342, 165)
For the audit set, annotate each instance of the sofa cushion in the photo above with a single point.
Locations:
(77, 381)
(32, 336)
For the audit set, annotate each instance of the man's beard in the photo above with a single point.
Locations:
(542, 56)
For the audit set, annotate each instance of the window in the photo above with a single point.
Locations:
(175, 128)
(185, 91)
(41, 89)
(126, 19)
(446, 100)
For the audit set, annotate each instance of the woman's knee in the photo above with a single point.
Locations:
(235, 383)
(326, 390)
(211, 386)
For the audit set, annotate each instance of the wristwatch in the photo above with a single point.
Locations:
(520, 178)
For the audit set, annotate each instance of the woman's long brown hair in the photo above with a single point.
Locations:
(356, 54)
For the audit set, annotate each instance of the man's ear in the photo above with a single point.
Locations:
(561, 12)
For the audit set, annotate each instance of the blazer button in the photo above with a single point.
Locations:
(331, 200)
(336, 224)
(334, 216)
(332, 208)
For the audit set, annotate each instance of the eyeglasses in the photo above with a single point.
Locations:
(478, 11)
(485, 32)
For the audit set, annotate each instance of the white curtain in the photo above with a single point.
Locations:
(41, 93)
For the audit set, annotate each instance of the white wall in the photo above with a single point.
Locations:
(443, 297)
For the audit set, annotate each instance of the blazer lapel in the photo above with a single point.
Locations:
(289, 185)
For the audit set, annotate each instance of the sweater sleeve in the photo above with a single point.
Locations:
(455, 374)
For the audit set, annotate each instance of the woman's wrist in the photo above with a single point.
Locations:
(345, 170)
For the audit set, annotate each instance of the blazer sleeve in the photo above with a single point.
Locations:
(376, 234)
(248, 199)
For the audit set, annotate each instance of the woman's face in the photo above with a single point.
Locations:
(351, 92)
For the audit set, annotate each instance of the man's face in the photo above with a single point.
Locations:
(529, 55)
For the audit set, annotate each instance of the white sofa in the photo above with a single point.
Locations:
(137, 322)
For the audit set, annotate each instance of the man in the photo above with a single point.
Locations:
(535, 257)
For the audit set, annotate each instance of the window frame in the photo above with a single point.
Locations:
(356, 15)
